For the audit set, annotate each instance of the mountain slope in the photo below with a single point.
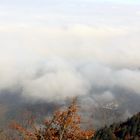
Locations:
(129, 130)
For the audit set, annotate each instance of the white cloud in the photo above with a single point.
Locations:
(92, 48)
(50, 64)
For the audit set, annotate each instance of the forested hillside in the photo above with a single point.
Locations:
(129, 130)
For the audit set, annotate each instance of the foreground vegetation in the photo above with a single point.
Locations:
(66, 125)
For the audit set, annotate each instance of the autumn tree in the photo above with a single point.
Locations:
(64, 125)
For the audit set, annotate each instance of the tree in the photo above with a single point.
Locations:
(64, 125)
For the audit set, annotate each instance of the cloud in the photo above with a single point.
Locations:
(56, 63)
(57, 80)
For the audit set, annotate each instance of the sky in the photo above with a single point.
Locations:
(64, 48)
(65, 13)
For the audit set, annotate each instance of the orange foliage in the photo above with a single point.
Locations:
(64, 125)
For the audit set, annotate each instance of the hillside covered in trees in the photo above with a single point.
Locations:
(129, 130)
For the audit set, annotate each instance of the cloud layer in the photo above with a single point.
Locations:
(54, 50)
(56, 63)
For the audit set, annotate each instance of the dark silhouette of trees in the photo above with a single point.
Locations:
(129, 130)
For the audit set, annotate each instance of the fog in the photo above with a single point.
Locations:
(57, 63)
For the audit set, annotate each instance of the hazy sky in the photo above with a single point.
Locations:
(60, 48)
(70, 12)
